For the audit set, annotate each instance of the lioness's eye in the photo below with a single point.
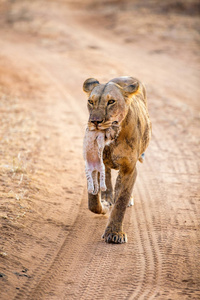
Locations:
(111, 101)
(90, 101)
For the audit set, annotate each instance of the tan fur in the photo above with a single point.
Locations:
(121, 106)
(93, 146)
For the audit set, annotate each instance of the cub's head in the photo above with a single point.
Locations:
(108, 103)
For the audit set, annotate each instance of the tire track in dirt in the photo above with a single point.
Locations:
(62, 258)
(149, 242)
(155, 240)
(50, 256)
(47, 259)
(71, 264)
(178, 169)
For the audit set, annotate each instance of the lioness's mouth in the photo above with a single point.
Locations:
(102, 125)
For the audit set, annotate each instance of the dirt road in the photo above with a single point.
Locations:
(51, 245)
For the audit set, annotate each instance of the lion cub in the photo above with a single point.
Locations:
(93, 145)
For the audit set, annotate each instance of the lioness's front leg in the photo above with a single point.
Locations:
(117, 190)
(114, 230)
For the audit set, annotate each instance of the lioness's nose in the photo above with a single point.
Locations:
(97, 122)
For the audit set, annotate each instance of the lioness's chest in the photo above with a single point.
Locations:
(119, 154)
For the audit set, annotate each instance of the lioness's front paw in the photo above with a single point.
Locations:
(90, 190)
(114, 237)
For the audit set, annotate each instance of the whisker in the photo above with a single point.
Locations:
(104, 126)
(91, 126)
(115, 125)
(107, 122)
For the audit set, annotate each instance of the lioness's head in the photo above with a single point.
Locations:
(108, 103)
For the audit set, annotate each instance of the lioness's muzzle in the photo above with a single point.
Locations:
(97, 122)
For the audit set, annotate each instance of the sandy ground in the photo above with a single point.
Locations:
(50, 243)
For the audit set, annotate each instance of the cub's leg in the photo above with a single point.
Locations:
(114, 230)
(89, 179)
(108, 194)
(100, 142)
(102, 178)
(95, 182)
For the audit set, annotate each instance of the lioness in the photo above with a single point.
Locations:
(120, 105)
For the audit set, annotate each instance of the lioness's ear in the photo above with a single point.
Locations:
(132, 88)
(89, 84)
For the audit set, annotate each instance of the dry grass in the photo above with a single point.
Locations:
(14, 166)
(18, 142)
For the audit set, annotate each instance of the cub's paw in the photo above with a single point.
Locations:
(90, 187)
(114, 237)
(90, 190)
(103, 187)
